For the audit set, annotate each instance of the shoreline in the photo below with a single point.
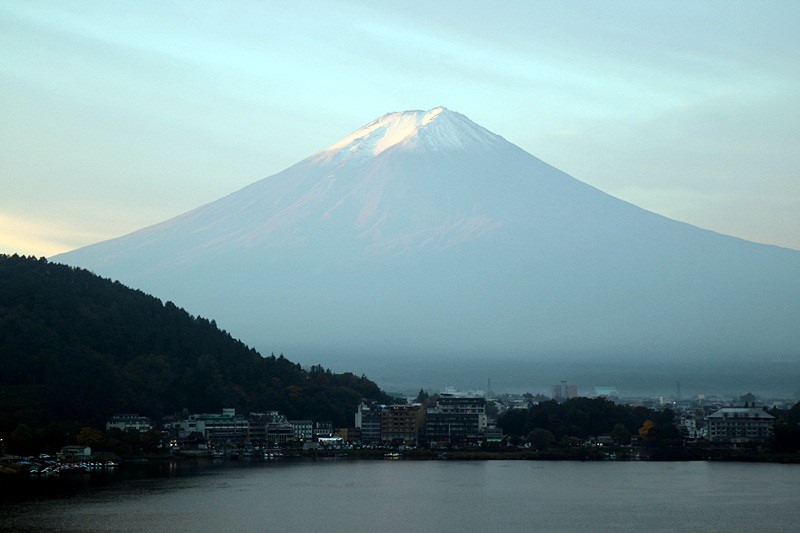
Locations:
(11, 467)
(27, 487)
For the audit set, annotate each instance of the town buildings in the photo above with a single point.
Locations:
(454, 420)
(228, 429)
(457, 418)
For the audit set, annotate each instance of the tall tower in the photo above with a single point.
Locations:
(563, 391)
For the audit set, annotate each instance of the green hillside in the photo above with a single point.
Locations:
(75, 348)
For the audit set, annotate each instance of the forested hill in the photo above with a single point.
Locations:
(75, 347)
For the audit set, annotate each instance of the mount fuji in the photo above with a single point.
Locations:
(424, 237)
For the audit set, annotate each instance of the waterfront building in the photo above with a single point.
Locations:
(368, 419)
(258, 427)
(225, 428)
(125, 422)
(350, 435)
(690, 428)
(402, 423)
(456, 418)
(323, 429)
(279, 433)
(303, 429)
(73, 452)
(493, 434)
(736, 425)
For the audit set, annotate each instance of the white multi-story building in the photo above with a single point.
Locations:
(127, 422)
(215, 428)
(689, 427)
(303, 429)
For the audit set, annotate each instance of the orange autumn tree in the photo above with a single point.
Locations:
(644, 431)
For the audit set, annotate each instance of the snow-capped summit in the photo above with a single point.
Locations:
(424, 233)
(437, 129)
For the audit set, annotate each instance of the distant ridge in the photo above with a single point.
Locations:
(423, 233)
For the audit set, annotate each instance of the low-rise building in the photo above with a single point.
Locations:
(323, 429)
(279, 433)
(691, 428)
(225, 428)
(349, 435)
(493, 434)
(125, 422)
(303, 429)
(74, 452)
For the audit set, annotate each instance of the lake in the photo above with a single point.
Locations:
(402, 496)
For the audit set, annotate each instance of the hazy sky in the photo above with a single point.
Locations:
(118, 115)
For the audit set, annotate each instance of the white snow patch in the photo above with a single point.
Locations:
(432, 114)
(435, 129)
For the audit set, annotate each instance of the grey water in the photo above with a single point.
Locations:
(401, 496)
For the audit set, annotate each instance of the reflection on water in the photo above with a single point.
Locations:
(429, 496)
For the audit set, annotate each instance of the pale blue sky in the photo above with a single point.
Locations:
(117, 115)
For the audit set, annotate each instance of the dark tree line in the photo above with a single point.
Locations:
(76, 348)
(786, 437)
(550, 422)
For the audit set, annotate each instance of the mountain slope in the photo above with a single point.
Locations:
(424, 233)
(77, 348)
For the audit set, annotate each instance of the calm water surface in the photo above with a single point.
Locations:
(391, 496)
